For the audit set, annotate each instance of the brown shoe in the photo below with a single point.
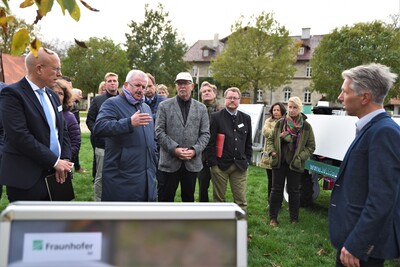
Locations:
(81, 170)
(294, 221)
(273, 222)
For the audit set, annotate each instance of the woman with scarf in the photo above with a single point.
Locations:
(290, 145)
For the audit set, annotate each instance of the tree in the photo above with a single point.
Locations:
(259, 56)
(87, 67)
(153, 46)
(23, 38)
(351, 46)
(8, 33)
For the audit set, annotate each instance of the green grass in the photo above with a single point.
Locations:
(304, 244)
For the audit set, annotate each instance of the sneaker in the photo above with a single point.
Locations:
(273, 222)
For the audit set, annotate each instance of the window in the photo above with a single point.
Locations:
(308, 70)
(195, 69)
(205, 53)
(209, 72)
(301, 51)
(287, 92)
(307, 96)
(260, 93)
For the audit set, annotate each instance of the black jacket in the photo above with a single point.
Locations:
(238, 140)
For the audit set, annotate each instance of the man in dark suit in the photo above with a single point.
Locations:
(364, 213)
(235, 127)
(28, 155)
(182, 130)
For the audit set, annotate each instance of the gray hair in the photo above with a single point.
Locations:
(134, 73)
(374, 78)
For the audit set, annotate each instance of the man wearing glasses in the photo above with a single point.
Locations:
(37, 142)
(98, 143)
(130, 159)
(182, 129)
(230, 149)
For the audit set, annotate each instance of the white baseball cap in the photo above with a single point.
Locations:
(185, 76)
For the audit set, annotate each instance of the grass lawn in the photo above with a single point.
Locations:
(305, 244)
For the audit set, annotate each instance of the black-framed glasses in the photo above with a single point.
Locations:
(137, 85)
(232, 98)
(183, 82)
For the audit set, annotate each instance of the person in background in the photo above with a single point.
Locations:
(37, 142)
(130, 159)
(364, 211)
(151, 97)
(182, 130)
(64, 91)
(231, 165)
(98, 143)
(209, 98)
(162, 90)
(276, 111)
(2, 85)
(102, 88)
(290, 145)
(77, 97)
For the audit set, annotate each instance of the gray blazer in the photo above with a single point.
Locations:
(171, 133)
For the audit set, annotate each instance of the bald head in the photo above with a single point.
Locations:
(45, 69)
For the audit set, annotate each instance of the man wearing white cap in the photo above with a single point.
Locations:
(182, 129)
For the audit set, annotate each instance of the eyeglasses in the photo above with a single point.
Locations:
(182, 82)
(57, 70)
(138, 85)
(232, 98)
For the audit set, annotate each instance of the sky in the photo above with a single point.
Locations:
(201, 20)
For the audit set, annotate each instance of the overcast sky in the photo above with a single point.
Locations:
(200, 20)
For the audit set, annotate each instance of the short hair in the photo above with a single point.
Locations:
(233, 89)
(297, 101)
(281, 106)
(212, 86)
(151, 77)
(162, 87)
(133, 73)
(374, 78)
(108, 74)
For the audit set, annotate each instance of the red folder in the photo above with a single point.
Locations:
(219, 146)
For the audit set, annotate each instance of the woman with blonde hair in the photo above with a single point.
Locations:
(162, 90)
(290, 145)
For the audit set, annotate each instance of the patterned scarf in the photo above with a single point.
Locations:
(291, 128)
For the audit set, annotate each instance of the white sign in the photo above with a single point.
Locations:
(57, 247)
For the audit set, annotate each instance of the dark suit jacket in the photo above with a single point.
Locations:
(238, 140)
(364, 214)
(26, 152)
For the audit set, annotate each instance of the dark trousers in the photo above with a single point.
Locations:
(38, 192)
(269, 177)
(204, 183)
(372, 262)
(279, 176)
(171, 181)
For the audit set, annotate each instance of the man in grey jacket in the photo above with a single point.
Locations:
(182, 129)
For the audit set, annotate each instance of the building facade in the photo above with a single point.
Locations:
(200, 54)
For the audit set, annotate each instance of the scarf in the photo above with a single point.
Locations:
(130, 98)
(291, 128)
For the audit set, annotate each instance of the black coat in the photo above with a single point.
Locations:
(238, 140)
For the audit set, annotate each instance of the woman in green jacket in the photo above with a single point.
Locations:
(290, 145)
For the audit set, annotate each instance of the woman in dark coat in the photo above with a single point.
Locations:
(64, 91)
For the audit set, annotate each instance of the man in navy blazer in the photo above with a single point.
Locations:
(364, 213)
(27, 157)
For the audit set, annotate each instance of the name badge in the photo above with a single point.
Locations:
(59, 108)
(240, 125)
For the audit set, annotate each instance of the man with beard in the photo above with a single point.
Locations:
(182, 129)
(98, 143)
(231, 130)
(130, 159)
